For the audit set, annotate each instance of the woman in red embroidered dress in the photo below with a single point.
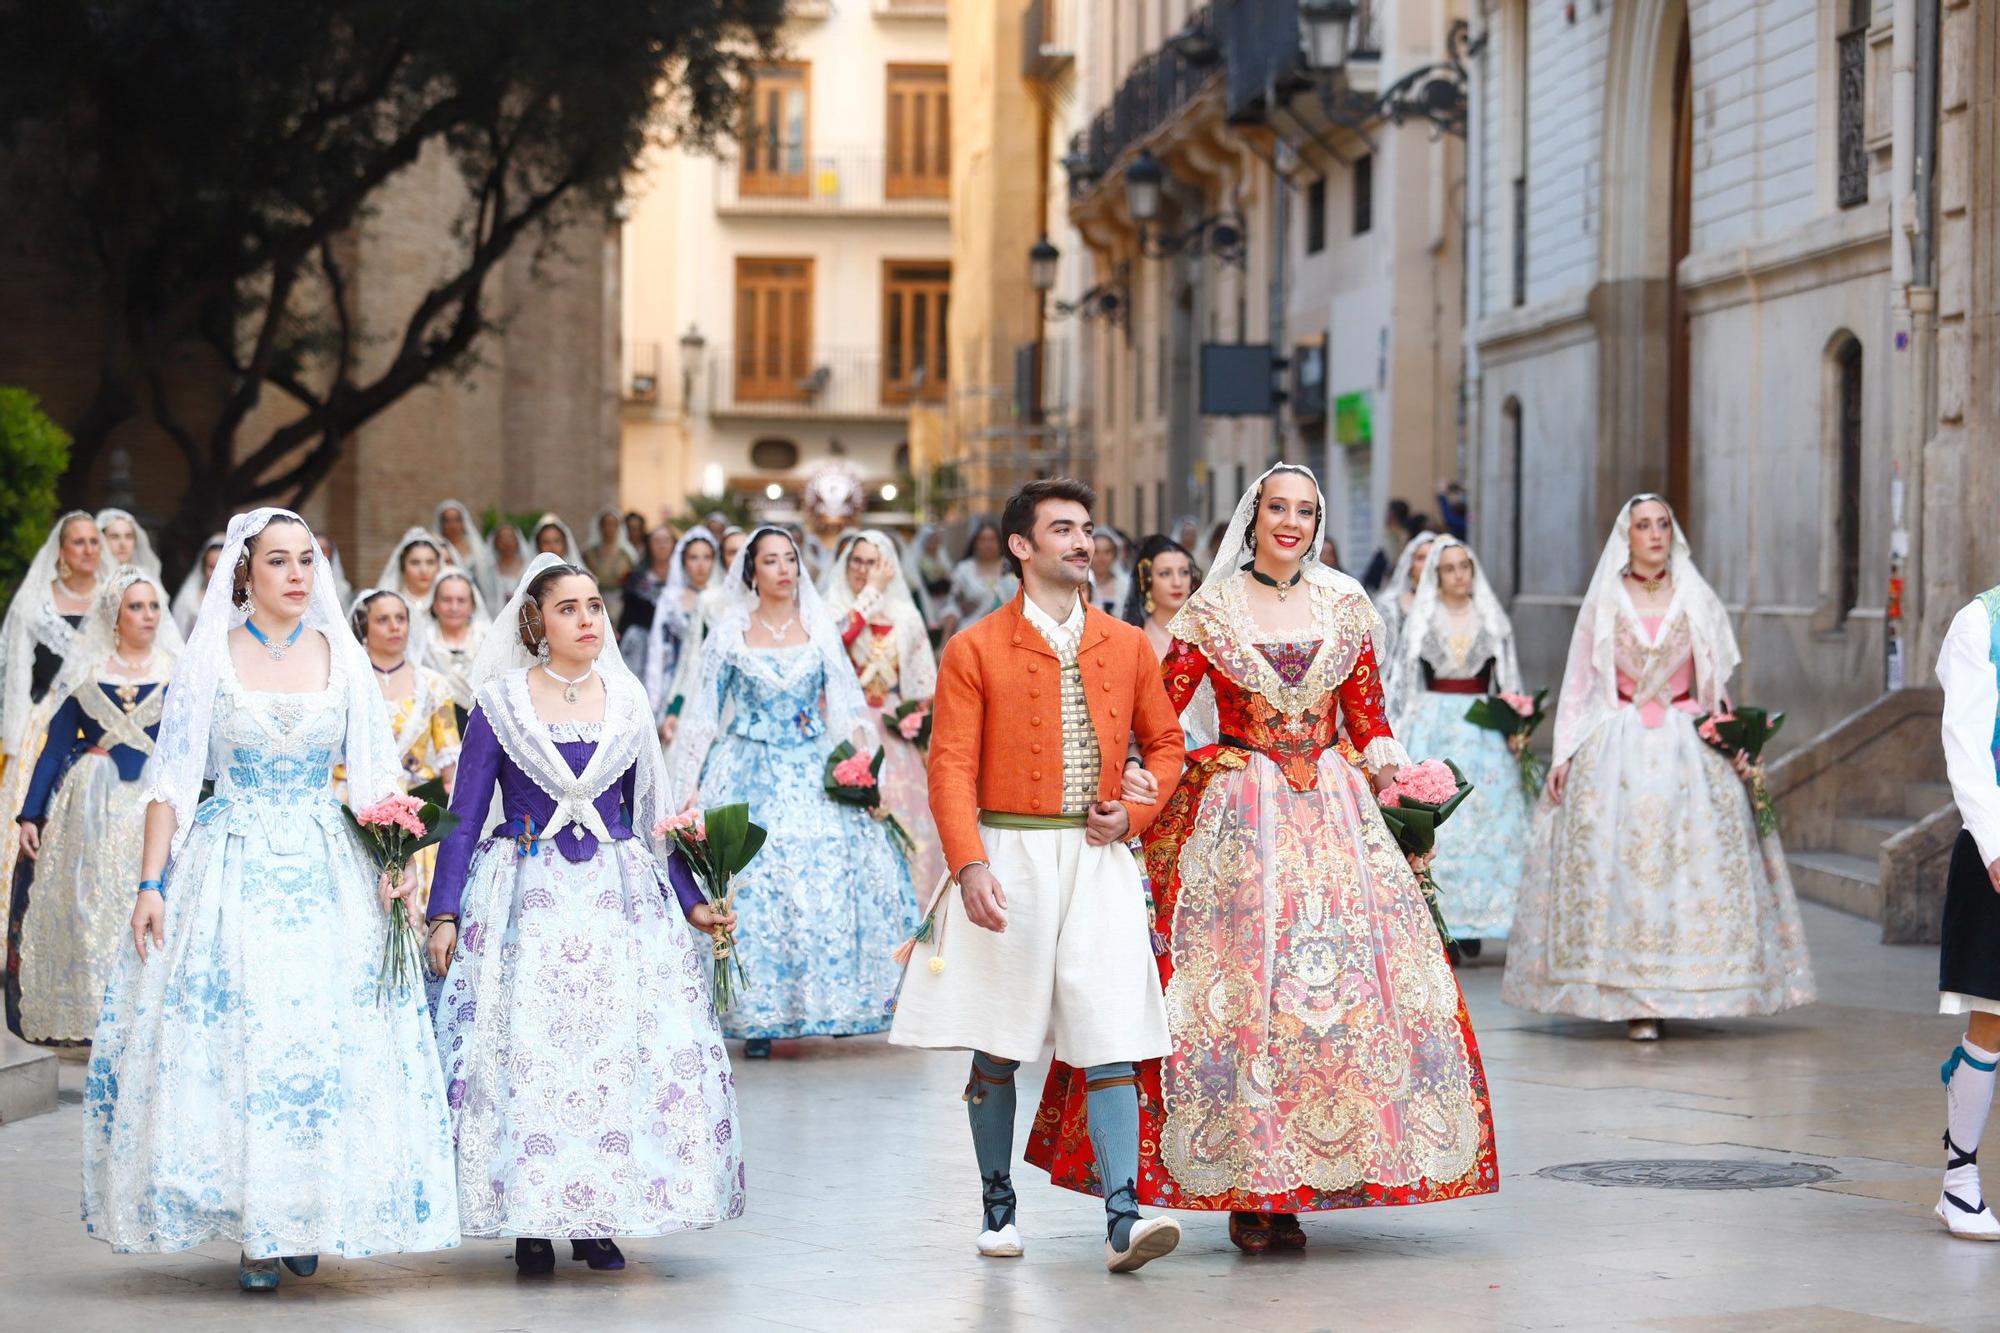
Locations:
(1322, 1054)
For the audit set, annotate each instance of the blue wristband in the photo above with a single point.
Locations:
(158, 886)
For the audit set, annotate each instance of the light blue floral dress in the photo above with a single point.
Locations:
(245, 1084)
(827, 901)
(1483, 847)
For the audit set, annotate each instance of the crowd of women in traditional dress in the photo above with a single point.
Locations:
(532, 675)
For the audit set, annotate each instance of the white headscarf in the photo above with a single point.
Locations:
(620, 540)
(1204, 619)
(474, 563)
(436, 654)
(97, 637)
(180, 758)
(1403, 674)
(669, 602)
(893, 605)
(496, 583)
(32, 619)
(571, 554)
(391, 577)
(847, 716)
(143, 555)
(1390, 599)
(500, 680)
(1590, 680)
(187, 599)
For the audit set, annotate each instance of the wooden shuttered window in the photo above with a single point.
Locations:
(773, 329)
(777, 137)
(918, 133)
(916, 299)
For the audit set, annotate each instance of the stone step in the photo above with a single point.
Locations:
(1849, 883)
(1863, 835)
(1922, 799)
(27, 1079)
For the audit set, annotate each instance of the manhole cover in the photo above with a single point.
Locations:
(1692, 1174)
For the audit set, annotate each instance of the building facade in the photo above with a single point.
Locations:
(1690, 273)
(786, 300)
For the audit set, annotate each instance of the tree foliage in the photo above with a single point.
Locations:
(33, 452)
(205, 163)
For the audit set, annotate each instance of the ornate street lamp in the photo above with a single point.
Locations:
(1144, 179)
(1323, 26)
(1042, 261)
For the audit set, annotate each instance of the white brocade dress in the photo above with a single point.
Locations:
(1648, 892)
(246, 1083)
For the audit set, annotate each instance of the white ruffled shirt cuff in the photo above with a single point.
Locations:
(1385, 750)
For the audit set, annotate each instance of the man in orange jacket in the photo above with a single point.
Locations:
(1031, 723)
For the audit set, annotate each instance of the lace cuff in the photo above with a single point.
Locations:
(1385, 750)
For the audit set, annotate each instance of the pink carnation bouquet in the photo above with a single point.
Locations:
(912, 721)
(1515, 716)
(394, 829)
(853, 778)
(1743, 732)
(1422, 797)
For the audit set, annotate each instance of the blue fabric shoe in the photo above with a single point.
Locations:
(757, 1048)
(302, 1265)
(602, 1255)
(256, 1274)
(534, 1257)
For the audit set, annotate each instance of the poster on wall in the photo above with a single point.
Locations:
(1353, 423)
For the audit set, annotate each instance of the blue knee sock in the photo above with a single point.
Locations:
(989, 1105)
(1112, 1098)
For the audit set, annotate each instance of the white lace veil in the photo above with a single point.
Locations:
(391, 577)
(17, 636)
(1403, 675)
(97, 637)
(895, 605)
(187, 598)
(180, 758)
(144, 557)
(847, 716)
(572, 554)
(1398, 582)
(1590, 679)
(504, 661)
(668, 601)
(470, 564)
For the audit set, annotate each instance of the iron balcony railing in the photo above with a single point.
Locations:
(1159, 84)
(1264, 45)
(788, 179)
(780, 379)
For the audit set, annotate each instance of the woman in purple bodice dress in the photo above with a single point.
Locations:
(589, 1088)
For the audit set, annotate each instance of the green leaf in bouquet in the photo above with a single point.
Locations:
(1464, 790)
(733, 839)
(438, 825)
(432, 792)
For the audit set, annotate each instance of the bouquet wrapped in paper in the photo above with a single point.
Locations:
(853, 778)
(711, 847)
(395, 829)
(1422, 797)
(1515, 716)
(912, 721)
(1744, 731)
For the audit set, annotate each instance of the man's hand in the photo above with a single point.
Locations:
(1108, 823)
(985, 904)
(1140, 787)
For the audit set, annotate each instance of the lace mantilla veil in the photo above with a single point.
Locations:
(17, 637)
(670, 597)
(499, 683)
(846, 709)
(143, 555)
(1232, 561)
(1590, 679)
(96, 636)
(180, 763)
(1403, 676)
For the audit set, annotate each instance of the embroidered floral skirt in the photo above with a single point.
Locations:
(245, 1084)
(1648, 893)
(590, 1091)
(78, 917)
(1322, 1054)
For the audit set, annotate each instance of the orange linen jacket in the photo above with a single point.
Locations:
(996, 723)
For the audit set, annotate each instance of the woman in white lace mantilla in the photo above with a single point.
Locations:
(458, 629)
(828, 899)
(257, 943)
(1648, 893)
(1457, 646)
(83, 821)
(590, 1091)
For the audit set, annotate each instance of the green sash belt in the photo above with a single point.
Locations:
(1006, 819)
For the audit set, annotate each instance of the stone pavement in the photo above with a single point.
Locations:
(863, 1204)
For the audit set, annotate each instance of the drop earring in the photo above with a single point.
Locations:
(542, 652)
